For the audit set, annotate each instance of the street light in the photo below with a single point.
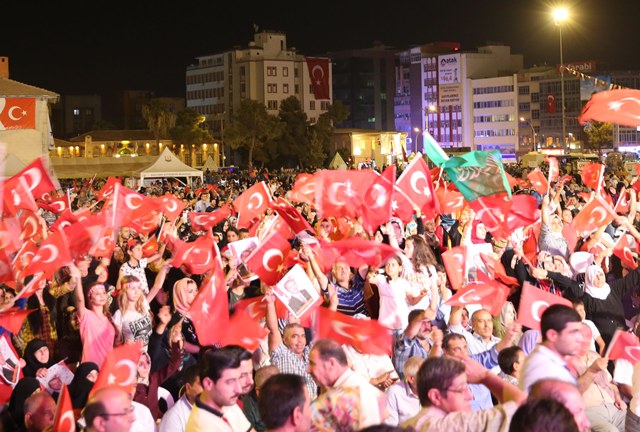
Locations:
(533, 131)
(415, 141)
(560, 15)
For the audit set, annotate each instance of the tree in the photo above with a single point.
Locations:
(252, 128)
(188, 129)
(323, 129)
(159, 119)
(298, 143)
(600, 135)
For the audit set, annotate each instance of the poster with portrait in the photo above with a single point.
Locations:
(296, 291)
(9, 363)
(57, 375)
(240, 250)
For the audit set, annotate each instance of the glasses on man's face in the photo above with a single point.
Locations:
(461, 390)
(127, 412)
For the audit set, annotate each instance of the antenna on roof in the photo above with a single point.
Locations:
(255, 28)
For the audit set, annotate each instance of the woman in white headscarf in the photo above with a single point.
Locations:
(602, 300)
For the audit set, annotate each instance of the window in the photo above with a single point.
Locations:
(312, 105)
(285, 71)
(272, 105)
(76, 112)
(524, 90)
(285, 88)
(272, 71)
(272, 88)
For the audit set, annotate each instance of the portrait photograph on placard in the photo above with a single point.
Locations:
(296, 291)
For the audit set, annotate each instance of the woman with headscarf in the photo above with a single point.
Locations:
(184, 293)
(82, 383)
(37, 358)
(602, 300)
(13, 416)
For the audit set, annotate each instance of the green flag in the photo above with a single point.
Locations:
(433, 150)
(477, 174)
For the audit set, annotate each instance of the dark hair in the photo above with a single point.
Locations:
(437, 373)
(543, 415)
(279, 396)
(328, 348)
(234, 229)
(449, 337)
(422, 252)
(413, 314)
(577, 302)
(215, 361)
(556, 317)
(93, 409)
(190, 374)
(507, 357)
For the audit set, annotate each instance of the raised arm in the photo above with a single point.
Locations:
(160, 278)
(81, 307)
(274, 339)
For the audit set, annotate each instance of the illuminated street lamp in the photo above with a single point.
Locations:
(533, 131)
(560, 15)
(415, 145)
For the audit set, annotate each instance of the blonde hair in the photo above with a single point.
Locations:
(123, 300)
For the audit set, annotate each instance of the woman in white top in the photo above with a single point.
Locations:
(394, 309)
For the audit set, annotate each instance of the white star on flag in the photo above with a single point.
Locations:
(111, 379)
(615, 106)
(205, 307)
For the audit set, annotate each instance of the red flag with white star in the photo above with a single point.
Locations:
(267, 260)
(64, 420)
(120, 368)
(17, 113)
(613, 106)
(319, 76)
(415, 181)
(624, 345)
(367, 336)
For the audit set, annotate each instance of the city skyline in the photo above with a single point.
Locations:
(148, 46)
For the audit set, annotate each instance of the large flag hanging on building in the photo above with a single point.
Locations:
(613, 106)
(477, 174)
(551, 103)
(17, 113)
(319, 75)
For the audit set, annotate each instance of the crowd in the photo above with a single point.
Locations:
(450, 364)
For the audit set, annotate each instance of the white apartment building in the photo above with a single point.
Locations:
(266, 71)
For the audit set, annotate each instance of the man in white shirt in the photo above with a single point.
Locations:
(402, 397)
(175, 419)
(561, 329)
(216, 408)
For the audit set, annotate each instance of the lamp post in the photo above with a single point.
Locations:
(560, 15)
(533, 132)
(415, 141)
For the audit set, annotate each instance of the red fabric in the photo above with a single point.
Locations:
(455, 265)
(493, 211)
(533, 302)
(201, 221)
(108, 187)
(17, 113)
(211, 301)
(10, 234)
(450, 201)
(19, 197)
(551, 103)
(524, 211)
(291, 215)
(365, 335)
(491, 296)
(624, 345)
(244, 331)
(12, 319)
(52, 254)
(593, 215)
(32, 225)
(319, 76)
(554, 169)
(64, 419)
(197, 257)
(415, 181)
(252, 203)
(538, 181)
(119, 368)
(497, 270)
(340, 193)
(357, 251)
(267, 261)
(613, 106)
(622, 205)
(169, 205)
(150, 247)
(622, 250)
(591, 173)
(304, 189)
(37, 178)
(378, 200)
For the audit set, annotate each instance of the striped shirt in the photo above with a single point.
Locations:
(351, 300)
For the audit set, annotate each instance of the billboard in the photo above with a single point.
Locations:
(449, 69)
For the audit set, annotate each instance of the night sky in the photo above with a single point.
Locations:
(97, 48)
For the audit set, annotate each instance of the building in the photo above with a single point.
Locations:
(25, 126)
(266, 71)
(76, 114)
(364, 82)
(377, 148)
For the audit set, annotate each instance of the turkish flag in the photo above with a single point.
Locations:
(593, 215)
(624, 345)
(36, 283)
(10, 233)
(378, 199)
(55, 203)
(245, 331)
(592, 173)
(124, 202)
(267, 260)
(252, 203)
(613, 106)
(304, 189)
(144, 222)
(569, 233)
(64, 420)
(319, 76)
(52, 254)
(538, 181)
(19, 197)
(450, 201)
(622, 206)
(415, 181)
(358, 252)
(150, 247)
(120, 368)
(103, 236)
(367, 336)
(6, 268)
(197, 257)
(32, 226)
(533, 302)
(201, 221)
(107, 190)
(291, 215)
(524, 211)
(490, 296)
(169, 205)
(340, 193)
(211, 301)
(12, 319)
(455, 265)
(497, 270)
(17, 113)
(554, 168)
(493, 212)
(551, 103)
(38, 178)
(401, 206)
(622, 250)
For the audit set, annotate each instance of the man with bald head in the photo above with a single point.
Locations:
(109, 410)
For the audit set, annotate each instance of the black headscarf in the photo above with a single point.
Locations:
(80, 386)
(33, 364)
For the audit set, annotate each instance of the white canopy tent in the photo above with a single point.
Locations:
(168, 165)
